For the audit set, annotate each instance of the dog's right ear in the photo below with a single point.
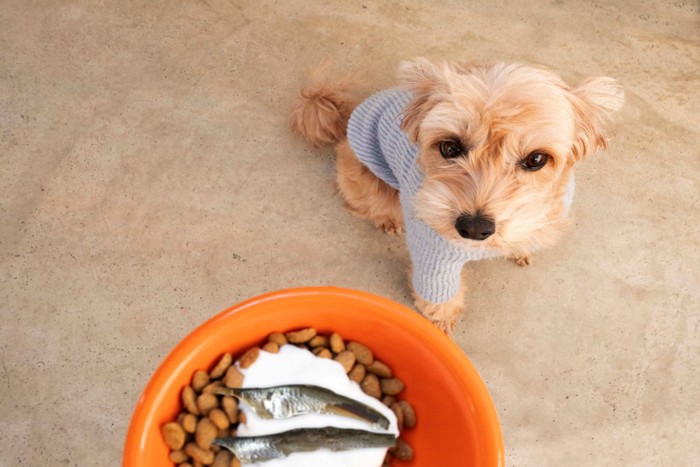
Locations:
(423, 79)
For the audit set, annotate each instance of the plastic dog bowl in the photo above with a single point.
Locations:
(457, 423)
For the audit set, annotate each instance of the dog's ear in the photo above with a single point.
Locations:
(423, 79)
(595, 101)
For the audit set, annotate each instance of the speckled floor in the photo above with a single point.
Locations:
(148, 179)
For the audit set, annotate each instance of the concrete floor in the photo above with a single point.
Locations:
(148, 179)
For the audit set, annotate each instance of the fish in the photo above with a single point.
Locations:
(249, 449)
(293, 400)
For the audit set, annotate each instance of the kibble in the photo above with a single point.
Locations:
(205, 434)
(278, 338)
(222, 459)
(179, 456)
(388, 400)
(392, 386)
(398, 411)
(336, 342)
(199, 380)
(198, 454)
(206, 402)
(209, 388)
(249, 357)
(301, 337)
(189, 423)
(219, 418)
(189, 400)
(222, 366)
(346, 359)
(403, 450)
(324, 353)
(362, 352)
(233, 378)
(380, 369)
(174, 435)
(318, 341)
(409, 415)
(357, 373)
(370, 385)
(230, 406)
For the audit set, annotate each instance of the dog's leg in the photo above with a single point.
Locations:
(444, 315)
(366, 195)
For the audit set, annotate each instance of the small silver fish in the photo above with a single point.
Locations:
(250, 449)
(292, 400)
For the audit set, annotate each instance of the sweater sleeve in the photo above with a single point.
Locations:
(374, 133)
(437, 265)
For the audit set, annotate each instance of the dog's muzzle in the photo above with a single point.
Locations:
(475, 227)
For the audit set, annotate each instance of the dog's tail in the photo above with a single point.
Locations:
(322, 110)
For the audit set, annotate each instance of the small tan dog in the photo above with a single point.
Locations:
(472, 161)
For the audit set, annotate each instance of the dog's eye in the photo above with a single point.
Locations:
(451, 149)
(535, 161)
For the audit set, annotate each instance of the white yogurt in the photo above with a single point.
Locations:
(293, 365)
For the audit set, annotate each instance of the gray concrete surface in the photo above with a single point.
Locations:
(148, 179)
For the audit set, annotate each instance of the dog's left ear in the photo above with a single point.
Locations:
(595, 101)
(423, 79)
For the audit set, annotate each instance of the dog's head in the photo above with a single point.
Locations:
(497, 145)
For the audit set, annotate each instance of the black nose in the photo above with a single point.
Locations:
(475, 227)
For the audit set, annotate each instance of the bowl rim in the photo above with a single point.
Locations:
(136, 430)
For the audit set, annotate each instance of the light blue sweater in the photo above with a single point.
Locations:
(375, 135)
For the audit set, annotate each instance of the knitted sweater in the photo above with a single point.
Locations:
(375, 135)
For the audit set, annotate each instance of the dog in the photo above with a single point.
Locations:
(469, 161)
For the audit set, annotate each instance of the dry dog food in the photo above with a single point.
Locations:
(207, 415)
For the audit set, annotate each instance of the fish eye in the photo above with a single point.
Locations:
(449, 149)
(535, 161)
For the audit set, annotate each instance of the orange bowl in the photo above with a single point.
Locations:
(457, 423)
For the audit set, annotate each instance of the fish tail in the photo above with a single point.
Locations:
(235, 392)
(360, 412)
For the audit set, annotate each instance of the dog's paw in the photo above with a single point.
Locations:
(392, 228)
(443, 315)
(521, 261)
(446, 325)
